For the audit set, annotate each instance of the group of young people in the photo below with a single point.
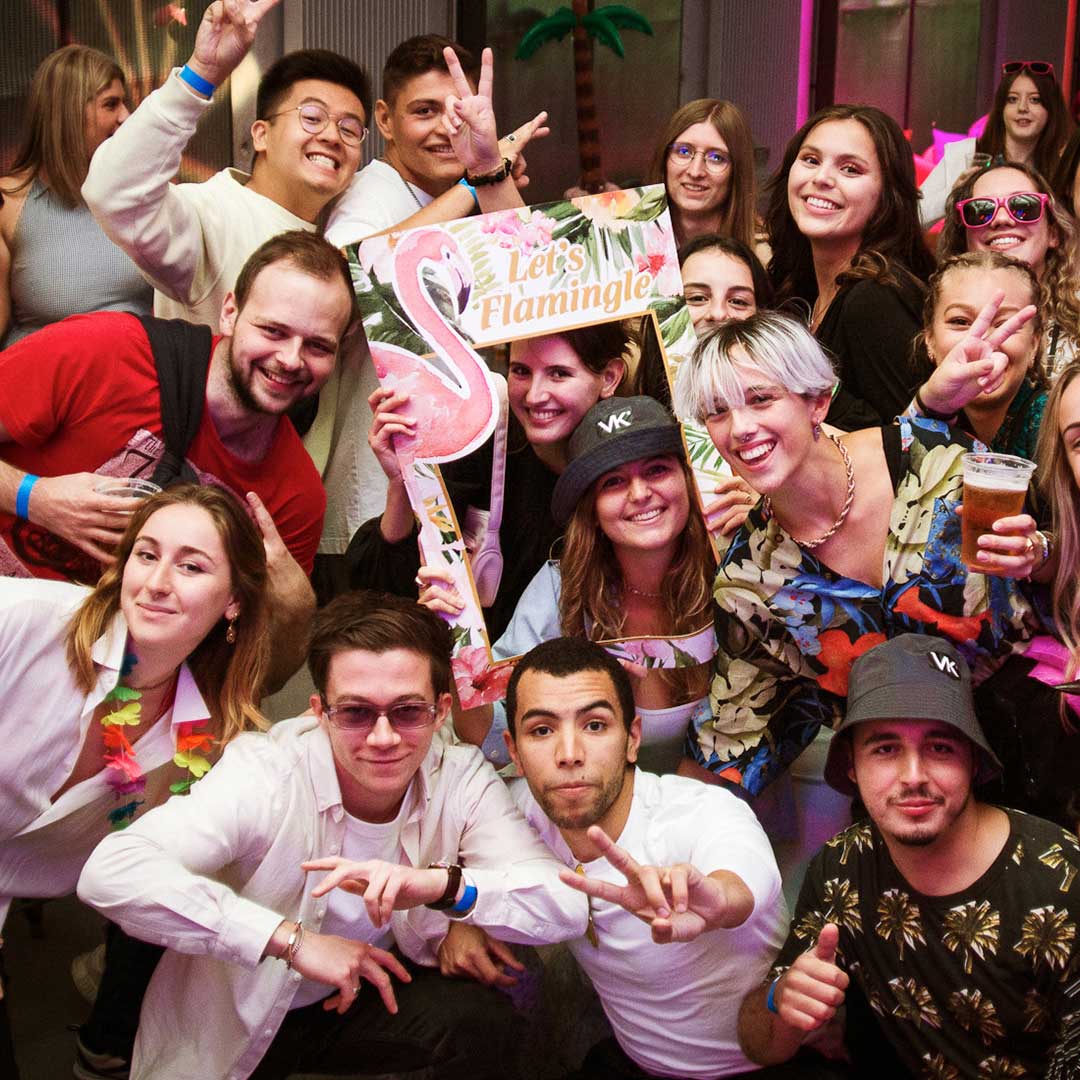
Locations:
(297, 898)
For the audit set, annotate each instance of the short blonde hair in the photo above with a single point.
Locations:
(777, 345)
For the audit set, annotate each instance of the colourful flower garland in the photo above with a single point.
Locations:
(126, 775)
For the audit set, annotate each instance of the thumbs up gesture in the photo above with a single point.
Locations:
(813, 987)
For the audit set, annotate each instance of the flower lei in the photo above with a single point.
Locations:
(125, 774)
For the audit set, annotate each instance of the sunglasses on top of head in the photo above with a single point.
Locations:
(1024, 207)
(1036, 67)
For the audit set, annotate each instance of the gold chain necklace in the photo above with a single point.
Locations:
(849, 469)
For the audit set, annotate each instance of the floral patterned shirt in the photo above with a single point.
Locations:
(789, 627)
(971, 986)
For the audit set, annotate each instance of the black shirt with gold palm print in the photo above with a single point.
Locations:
(971, 986)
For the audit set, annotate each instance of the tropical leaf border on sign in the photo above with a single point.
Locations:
(619, 232)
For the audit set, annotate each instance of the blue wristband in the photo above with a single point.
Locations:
(471, 190)
(22, 496)
(197, 82)
(468, 898)
(770, 1001)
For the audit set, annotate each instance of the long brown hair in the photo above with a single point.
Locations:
(54, 123)
(1060, 298)
(1057, 485)
(229, 677)
(1051, 139)
(737, 215)
(591, 601)
(892, 246)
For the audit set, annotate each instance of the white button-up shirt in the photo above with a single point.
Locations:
(211, 877)
(46, 718)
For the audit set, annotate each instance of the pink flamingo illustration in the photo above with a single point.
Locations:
(457, 404)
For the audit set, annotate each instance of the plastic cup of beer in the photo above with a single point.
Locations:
(995, 486)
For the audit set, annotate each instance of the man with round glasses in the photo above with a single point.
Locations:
(190, 240)
(265, 965)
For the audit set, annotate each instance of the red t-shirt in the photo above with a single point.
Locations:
(81, 396)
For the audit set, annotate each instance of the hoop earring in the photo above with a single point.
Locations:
(230, 634)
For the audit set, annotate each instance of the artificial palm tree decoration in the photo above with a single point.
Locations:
(601, 24)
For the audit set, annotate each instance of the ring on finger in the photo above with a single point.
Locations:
(1030, 546)
(511, 138)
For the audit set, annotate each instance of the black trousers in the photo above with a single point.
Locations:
(114, 1017)
(607, 1061)
(462, 1030)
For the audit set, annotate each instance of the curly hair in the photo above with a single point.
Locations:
(982, 260)
(1060, 299)
(591, 603)
(891, 247)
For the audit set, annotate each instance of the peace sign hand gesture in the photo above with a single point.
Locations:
(225, 36)
(974, 365)
(679, 902)
(469, 121)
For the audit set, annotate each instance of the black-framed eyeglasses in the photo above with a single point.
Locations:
(360, 716)
(1036, 67)
(314, 118)
(1024, 207)
(716, 161)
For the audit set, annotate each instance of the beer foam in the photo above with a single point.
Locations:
(1013, 480)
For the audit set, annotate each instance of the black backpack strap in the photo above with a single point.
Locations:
(182, 357)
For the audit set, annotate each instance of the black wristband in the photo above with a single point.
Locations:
(453, 883)
(929, 413)
(496, 177)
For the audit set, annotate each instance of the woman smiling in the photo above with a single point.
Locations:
(1009, 208)
(117, 696)
(636, 562)
(856, 539)
(845, 235)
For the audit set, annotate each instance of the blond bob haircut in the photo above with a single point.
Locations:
(229, 677)
(54, 124)
(1057, 485)
(778, 346)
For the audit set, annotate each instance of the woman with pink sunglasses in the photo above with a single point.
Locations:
(1009, 207)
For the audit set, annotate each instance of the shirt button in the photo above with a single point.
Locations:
(269, 1033)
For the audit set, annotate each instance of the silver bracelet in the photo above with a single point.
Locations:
(292, 946)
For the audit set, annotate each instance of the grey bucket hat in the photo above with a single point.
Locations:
(914, 677)
(613, 432)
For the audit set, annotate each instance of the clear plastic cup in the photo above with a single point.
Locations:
(995, 486)
(127, 487)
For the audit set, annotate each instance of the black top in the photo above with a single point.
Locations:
(526, 536)
(967, 985)
(868, 329)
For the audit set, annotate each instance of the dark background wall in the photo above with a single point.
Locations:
(927, 62)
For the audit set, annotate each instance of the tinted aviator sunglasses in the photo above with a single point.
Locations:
(1025, 208)
(1036, 67)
